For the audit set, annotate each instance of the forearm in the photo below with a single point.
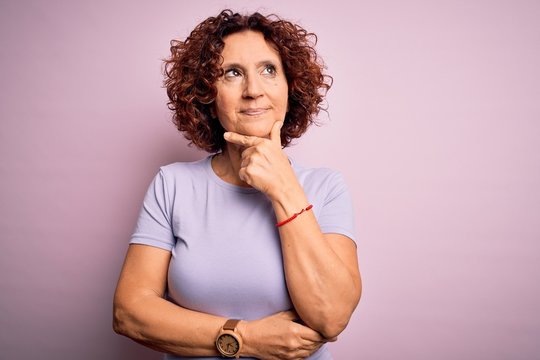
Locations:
(175, 330)
(322, 288)
(167, 327)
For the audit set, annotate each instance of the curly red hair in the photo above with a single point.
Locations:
(195, 64)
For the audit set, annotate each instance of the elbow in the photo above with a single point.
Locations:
(331, 333)
(332, 322)
(130, 318)
(123, 321)
(331, 330)
(119, 321)
(336, 321)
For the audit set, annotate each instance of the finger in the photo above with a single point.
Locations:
(311, 346)
(308, 351)
(243, 140)
(275, 133)
(311, 335)
(242, 174)
(248, 152)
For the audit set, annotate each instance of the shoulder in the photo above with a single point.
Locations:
(321, 180)
(172, 178)
(179, 171)
(332, 203)
(317, 175)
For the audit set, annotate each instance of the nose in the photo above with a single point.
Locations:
(253, 87)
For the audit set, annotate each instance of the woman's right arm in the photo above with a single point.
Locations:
(143, 314)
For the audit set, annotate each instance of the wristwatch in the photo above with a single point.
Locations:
(228, 341)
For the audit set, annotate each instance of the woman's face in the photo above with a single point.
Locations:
(252, 94)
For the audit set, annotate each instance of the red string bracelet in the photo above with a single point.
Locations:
(293, 217)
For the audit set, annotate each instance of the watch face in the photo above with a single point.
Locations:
(228, 344)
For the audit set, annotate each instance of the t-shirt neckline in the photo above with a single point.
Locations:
(242, 189)
(214, 177)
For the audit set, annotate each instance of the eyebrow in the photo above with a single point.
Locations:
(240, 66)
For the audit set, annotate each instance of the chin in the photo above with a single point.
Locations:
(259, 132)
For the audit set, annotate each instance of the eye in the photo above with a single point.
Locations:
(269, 69)
(232, 73)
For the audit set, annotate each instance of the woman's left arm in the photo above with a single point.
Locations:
(321, 270)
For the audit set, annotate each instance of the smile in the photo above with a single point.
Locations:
(254, 111)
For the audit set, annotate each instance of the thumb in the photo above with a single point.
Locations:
(275, 133)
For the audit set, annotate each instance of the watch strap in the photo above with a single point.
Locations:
(231, 324)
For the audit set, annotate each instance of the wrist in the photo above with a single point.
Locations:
(288, 194)
(243, 330)
(285, 186)
(229, 341)
(289, 202)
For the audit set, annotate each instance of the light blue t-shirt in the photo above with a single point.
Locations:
(226, 254)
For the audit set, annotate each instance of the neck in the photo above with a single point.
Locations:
(226, 164)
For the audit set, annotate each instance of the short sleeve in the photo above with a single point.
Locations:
(337, 213)
(154, 225)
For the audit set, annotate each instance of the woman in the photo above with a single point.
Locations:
(242, 254)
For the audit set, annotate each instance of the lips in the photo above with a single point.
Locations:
(254, 111)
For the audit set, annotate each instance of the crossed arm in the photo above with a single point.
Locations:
(321, 272)
(142, 314)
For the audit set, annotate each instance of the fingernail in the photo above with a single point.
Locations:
(226, 135)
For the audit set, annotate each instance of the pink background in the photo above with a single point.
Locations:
(434, 120)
